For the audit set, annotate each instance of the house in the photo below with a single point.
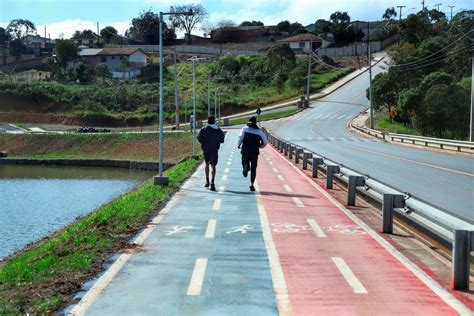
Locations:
(87, 39)
(246, 34)
(371, 27)
(302, 42)
(41, 46)
(113, 58)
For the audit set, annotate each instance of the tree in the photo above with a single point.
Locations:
(145, 29)
(225, 24)
(102, 70)
(415, 28)
(281, 58)
(409, 103)
(389, 13)
(53, 66)
(109, 34)
(297, 28)
(251, 23)
(188, 22)
(19, 28)
(284, 26)
(17, 48)
(65, 51)
(436, 78)
(78, 34)
(343, 32)
(4, 36)
(340, 17)
(322, 26)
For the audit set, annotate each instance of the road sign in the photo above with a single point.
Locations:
(258, 111)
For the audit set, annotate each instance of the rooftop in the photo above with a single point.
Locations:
(305, 37)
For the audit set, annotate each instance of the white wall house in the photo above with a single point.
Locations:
(303, 42)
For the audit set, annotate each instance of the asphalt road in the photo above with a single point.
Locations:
(6, 128)
(444, 180)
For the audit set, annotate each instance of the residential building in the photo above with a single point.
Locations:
(303, 42)
(41, 46)
(246, 34)
(88, 39)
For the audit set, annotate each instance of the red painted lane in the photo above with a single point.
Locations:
(315, 284)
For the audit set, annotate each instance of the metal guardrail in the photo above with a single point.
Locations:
(447, 227)
(457, 145)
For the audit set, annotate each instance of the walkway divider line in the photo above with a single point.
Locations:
(197, 279)
(217, 204)
(350, 277)
(447, 297)
(211, 228)
(280, 177)
(275, 170)
(298, 202)
(224, 177)
(287, 188)
(221, 189)
(316, 228)
(89, 298)
(278, 278)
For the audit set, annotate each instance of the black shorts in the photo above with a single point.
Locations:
(210, 156)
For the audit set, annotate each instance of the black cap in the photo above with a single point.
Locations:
(253, 120)
(211, 120)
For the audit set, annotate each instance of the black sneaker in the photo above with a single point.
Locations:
(213, 187)
(207, 185)
(252, 188)
(245, 172)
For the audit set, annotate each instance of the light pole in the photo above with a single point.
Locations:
(308, 82)
(400, 7)
(208, 95)
(160, 179)
(471, 131)
(194, 60)
(451, 7)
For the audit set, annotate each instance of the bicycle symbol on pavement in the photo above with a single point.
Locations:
(346, 229)
(178, 230)
(240, 229)
(288, 228)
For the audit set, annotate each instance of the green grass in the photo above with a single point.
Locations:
(40, 280)
(394, 127)
(266, 117)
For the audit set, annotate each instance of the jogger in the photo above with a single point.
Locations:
(211, 138)
(251, 139)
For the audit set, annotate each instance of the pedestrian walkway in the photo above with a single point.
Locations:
(286, 249)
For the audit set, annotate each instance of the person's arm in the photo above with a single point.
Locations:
(241, 137)
(222, 136)
(264, 139)
(200, 137)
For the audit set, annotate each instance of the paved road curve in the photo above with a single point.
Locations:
(444, 180)
(281, 250)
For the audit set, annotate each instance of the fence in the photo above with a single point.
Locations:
(356, 49)
(126, 74)
(446, 227)
(194, 49)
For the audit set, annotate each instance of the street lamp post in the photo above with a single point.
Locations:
(160, 179)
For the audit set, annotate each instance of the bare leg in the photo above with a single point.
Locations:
(213, 173)
(206, 170)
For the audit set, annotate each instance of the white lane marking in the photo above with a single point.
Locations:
(287, 188)
(226, 170)
(298, 202)
(270, 163)
(340, 117)
(211, 228)
(278, 278)
(221, 189)
(275, 170)
(224, 177)
(197, 279)
(447, 297)
(89, 298)
(217, 204)
(229, 163)
(280, 177)
(317, 229)
(350, 277)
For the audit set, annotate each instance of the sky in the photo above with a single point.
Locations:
(63, 17)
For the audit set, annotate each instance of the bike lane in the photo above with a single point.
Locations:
(331, 261)
(207, 256)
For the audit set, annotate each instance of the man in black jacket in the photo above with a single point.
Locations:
(251, 139)
(211, 138)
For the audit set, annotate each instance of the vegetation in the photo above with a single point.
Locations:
(41, 279)
(145, 29)
(266, 116)
(111, 146)
(187, 22)
(428, 88)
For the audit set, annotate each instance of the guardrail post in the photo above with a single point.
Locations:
(297, 155)
(461, 252)
(354, 182)
(286, 149)
(316, 162)
(290, 154)
(278, 144)
(330, 171)
(383, 136)
(306, 157)
(390, 201)
(282, 147)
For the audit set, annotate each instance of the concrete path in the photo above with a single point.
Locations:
(288, 248)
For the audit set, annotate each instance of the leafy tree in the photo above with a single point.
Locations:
(19, 28)
(53, 66)
(389, 13)
(322, 26)
(109, 34)
(251, 23)
(65, 51)
(340, 17)
(4, 36)
(415, 28)
(298, 78)
(145, 29)
(103, 71)
(279, 80)
(409, 103)
(297, 28)
(384, 92)
(225, 24)
(188, 22)
(284, 26)
(281, 58)
(436, 78)
(81, 71)
(78, 34)
(17, 48)
(343, 32)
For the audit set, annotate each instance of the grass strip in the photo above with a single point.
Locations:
(266, 117)
(394, 127)
(41, 279)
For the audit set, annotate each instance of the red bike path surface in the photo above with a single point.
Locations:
(331, 261)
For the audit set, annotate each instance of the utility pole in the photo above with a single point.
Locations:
(451, 6)
(45, 36)
(370, 78)
(437, 6)
(423, 5)
(176, 101)
(401, 7)
(215, 102)
(194, 108)
(308, 83)
(97, 28)
(208, 95)
(471, 132)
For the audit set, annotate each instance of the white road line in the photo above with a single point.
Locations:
(224, 177)
(275, 170)
(221, 189)
(350, 277)
(278, 278)
(287, 188)
(280, 177)
(298, 202)
(270, 163)
(226, 170)
(211, 228)
(217, 204)
(420, 274)
(229, 163)
(195, 286)
(317, 229)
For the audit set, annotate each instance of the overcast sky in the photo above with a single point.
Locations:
(66, 16)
